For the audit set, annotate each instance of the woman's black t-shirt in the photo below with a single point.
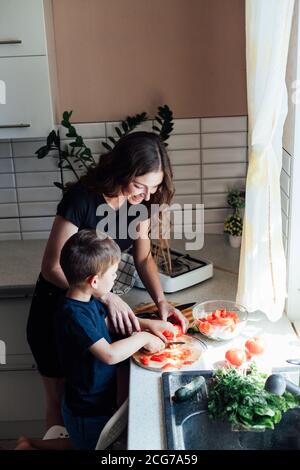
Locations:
(88, 210)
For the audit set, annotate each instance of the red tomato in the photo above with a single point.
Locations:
(145, 360)
(168, 334)
(254, 346)
(236, 357)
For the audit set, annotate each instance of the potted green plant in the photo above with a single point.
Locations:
(234, 227)
(233, 224)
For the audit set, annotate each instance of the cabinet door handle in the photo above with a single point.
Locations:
(12, 126)
(10, 41)
(17, 367)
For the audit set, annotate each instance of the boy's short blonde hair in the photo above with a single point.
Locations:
(87, 253)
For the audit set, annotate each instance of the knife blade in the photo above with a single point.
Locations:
(155, 313)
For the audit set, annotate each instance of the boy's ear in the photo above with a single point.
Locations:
(93, 281)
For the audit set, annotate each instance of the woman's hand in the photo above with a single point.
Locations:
(166, 311)
(120, 314)
(156, 327)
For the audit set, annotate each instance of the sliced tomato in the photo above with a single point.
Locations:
(168, 334)
(145, 360)
(187, 363)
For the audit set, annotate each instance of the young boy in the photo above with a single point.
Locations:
(86, 351)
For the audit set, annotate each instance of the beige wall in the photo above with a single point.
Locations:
(120, 57)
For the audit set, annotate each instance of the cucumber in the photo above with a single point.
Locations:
(189, 390)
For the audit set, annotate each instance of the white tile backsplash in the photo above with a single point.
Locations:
(184, 157)
(186, 126)
(215, 200)
(224, 139)
(33, 164)
(86, 130)
(27, 148)
(34, 209)
(179, 142)
(189, 199)
(222, 185)
(8, 195)
(209, 156)
(9, 225)
(226, 155)
(214, 228)
(224, 124)
(229, 170)
(186, 172)
(5, 150)
(38, 194)
(8, 210)
(36, 235)
(10, 236)
(215, 215)
(6, 165)
(187, 187)
(29, 180)
(30, 224)
(7, 180)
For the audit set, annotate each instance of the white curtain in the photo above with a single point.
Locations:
(262, 273)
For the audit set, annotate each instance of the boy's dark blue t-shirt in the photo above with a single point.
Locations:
(90, 388)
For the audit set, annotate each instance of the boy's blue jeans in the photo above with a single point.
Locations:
(84, 432)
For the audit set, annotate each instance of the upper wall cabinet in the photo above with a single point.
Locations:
(27, 112)
(25, 97)
(22, 28)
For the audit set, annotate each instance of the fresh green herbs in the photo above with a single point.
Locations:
(243, 401)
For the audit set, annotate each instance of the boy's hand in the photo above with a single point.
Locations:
(154, 344)
(156, 327)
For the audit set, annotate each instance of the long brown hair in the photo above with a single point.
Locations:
(135, 154)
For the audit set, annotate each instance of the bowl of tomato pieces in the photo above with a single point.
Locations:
(220, 320)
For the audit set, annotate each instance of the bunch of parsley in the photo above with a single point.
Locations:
(243, 401)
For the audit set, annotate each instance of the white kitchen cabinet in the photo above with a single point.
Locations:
(25, 96)
(22, 402)
(22, 28)
(28, 100)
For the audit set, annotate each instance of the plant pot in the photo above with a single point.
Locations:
(235, 241)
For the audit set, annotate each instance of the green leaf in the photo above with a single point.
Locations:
(124, 126)
(42, 151)
(118, 131)
(155, 128)
(106, 146)
(67, 115)
(72, 132)
(112, 140)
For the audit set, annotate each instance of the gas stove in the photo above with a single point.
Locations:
(186, 272)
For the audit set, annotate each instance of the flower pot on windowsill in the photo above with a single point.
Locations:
(235, 241)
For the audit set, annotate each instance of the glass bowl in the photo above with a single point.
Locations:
(219, 320)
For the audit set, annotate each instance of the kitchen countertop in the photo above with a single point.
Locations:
(21, 261)
(146, 429)
(20, 264)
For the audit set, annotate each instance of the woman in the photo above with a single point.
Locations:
(136, 171)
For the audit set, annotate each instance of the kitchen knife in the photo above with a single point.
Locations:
(155, 314)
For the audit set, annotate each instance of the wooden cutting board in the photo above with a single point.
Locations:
(151, 307)
(194, 345)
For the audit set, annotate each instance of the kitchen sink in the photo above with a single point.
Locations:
(188, 426)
